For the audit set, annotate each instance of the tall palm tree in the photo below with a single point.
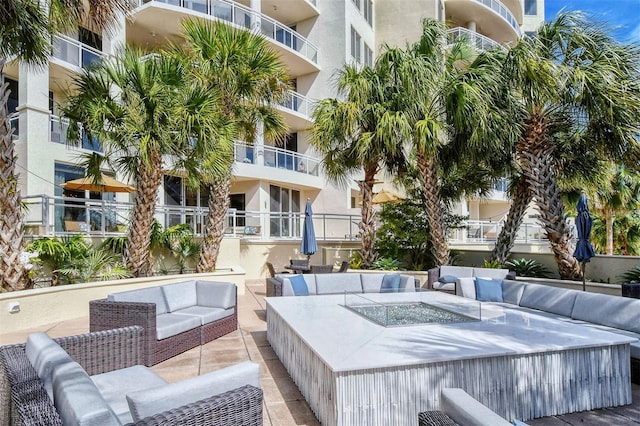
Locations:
(248, 79)
(571, 72)
(361, 133)
(26, 28)
(452, 98)
(143, 109)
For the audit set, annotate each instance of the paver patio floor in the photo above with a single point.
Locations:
(283, 403)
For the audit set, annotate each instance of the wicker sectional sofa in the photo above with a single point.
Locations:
(444, 277)
(96, 379)
(603, 311)
(175, 317)
(318, 284)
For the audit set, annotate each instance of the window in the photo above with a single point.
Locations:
(530, 7)
(357, 3)
(355, 44)
(368, 11)
(285, 212)
(368, 55)
(238, 202)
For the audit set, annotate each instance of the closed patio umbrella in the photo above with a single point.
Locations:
(106, 184)
(584, 250)
(309, 245)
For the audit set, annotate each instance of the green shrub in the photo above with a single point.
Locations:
(492, 264)
(631, 276)
(527, 268)
(386, 264)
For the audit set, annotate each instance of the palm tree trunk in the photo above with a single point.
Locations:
(368, 223)
(214, 231)
(13, 274)
(608, 217)
(521, 200)
(539, 167)
(138, 248)
(433, 207)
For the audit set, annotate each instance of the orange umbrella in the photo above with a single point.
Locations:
(107, 184)
(385, 197)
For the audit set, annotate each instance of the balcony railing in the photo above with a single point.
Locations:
(503, 11)
(58, 134)
(242, 16)
(47, 215)
(296, 102)
(277, 158)
(75, 53)
(483, 232)
(478, 41)
(14, 123)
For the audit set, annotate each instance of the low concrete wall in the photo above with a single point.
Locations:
(602, 268)
(53, 304)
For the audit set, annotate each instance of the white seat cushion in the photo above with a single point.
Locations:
(206, 315)
(168, 325)
(116, 384)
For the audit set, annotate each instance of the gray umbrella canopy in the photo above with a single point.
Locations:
(309, 244)
(584, 250)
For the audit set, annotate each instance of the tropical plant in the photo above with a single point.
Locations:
(356, 261)
(491, 264)
(95, 265)
(55, 253)
(579, 89)
(631, 276)
(179, 239)
(386, 264)
(26, 28)
(114, 245)
(625, 234)
(245, 78)
(527, 268)
(359, 132)
(142, 108)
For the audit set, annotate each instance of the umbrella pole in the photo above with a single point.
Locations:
(584, 264)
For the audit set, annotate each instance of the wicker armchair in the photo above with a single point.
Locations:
(24, 400)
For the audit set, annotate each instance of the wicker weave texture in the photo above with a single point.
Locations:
(105, 314)
(26, 403)
(435, 418)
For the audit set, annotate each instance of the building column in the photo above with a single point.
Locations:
(33, 147)
(256, 6)
(471, 25)
(258, 144)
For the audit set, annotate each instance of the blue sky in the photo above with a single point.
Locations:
(620, 13)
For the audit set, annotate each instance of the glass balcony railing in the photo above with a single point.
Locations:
(478, 41)
(503, 11)
(277, 158)
(58, 134)
(242, 16)
(14, 123)
(73, 52)
(294, 101)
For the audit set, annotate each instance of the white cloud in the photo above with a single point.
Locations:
(634, 34)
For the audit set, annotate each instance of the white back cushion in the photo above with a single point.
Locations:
(466, 287)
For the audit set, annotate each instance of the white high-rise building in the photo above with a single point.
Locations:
(271, 183)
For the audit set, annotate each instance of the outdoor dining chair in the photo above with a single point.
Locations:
(321, 269)
(344, 266)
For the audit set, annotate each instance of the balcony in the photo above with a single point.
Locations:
(58, 134)
(156, 20)
(298, 107)
(492, 18)
(478, 41)
(277, 158)
(74, 53)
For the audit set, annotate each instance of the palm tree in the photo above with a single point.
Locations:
(359, 133)
(452, 98)
(571, 73)
(143, 108)
(248, 78)
(616, 195)
(26, 28)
